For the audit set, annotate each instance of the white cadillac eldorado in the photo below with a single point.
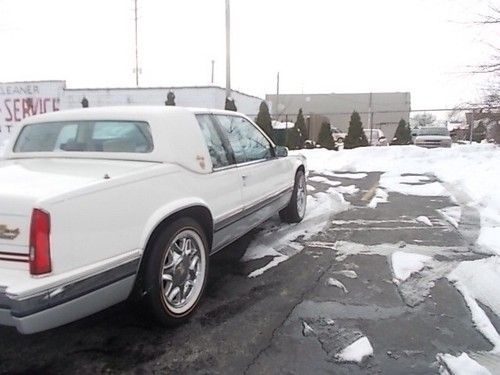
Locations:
(101, 204)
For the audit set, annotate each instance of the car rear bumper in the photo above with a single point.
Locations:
(69, 302)
(433, 145)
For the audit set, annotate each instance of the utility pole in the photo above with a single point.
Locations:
(228, 50)
(370, 118)
(213, 63)
(136, 47)
(276, 110)
(471, 126)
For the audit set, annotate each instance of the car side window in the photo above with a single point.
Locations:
(214, 142)
(247, 142)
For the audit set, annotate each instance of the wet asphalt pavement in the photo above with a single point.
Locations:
(256, 325)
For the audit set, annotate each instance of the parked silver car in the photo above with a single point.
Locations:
(432, 137)
(376, 138)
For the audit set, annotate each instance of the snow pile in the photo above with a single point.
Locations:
(404, 264)
(278, 240)
(474, 279)
(357, 351)
(462, 365)
(490, 228)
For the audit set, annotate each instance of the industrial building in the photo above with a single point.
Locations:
(384, 109)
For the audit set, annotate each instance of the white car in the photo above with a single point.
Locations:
(377, 137)
(431, 137)
(98, 205)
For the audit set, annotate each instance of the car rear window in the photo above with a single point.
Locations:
(86, 136)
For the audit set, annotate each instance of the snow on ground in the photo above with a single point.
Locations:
(404, 264)
(357, 351)
(379, 197)
(461, 365)
(425, 220)
(472, 174)
(474, 279)
(278, 240)
(412, 185)
(324, 180)
(351, 176)
(472, 169)
(334, 282)
(347, 273)
(452, 214)
(350, 189)
(2, 147)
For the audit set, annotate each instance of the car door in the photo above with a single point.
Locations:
(223, 185)
(264, 177)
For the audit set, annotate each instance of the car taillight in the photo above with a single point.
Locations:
(40, 262)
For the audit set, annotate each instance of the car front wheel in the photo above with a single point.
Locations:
(296, 209)
(176, 271)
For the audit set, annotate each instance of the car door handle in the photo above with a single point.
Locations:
(244, 179)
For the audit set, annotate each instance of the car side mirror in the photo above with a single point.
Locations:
(281, 151)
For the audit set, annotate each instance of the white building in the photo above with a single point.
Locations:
(19, 100)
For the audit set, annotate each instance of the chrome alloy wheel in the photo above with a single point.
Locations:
(183, 271)
(301, 196)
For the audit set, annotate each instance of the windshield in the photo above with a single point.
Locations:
(433, 131)
(85, 136)
(375, 133)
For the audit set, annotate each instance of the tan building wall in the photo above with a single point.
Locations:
(388, 109)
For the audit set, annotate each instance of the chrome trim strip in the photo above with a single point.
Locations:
(61, 294)
(248, 211)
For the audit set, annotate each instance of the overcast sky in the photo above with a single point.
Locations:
(318, 46)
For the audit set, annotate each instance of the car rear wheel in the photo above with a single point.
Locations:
(296, 209)
(176, 272)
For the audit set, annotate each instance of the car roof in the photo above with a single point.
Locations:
(125, 112)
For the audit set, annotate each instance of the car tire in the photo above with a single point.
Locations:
(296, 209)
(340, 140)
(176, 272)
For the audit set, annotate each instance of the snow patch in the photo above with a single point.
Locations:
(451, 214)
(324, 180)
(479, 280)
(351, 176)
(462, 365)
(347, 273)
(357, 351)
(412, 185)
(334, 282)
(306, 329)
(404, 264)
(425, 220)
(380, 197)
(350, 189)
(280, 240)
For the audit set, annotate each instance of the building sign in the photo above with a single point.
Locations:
(19, 100)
